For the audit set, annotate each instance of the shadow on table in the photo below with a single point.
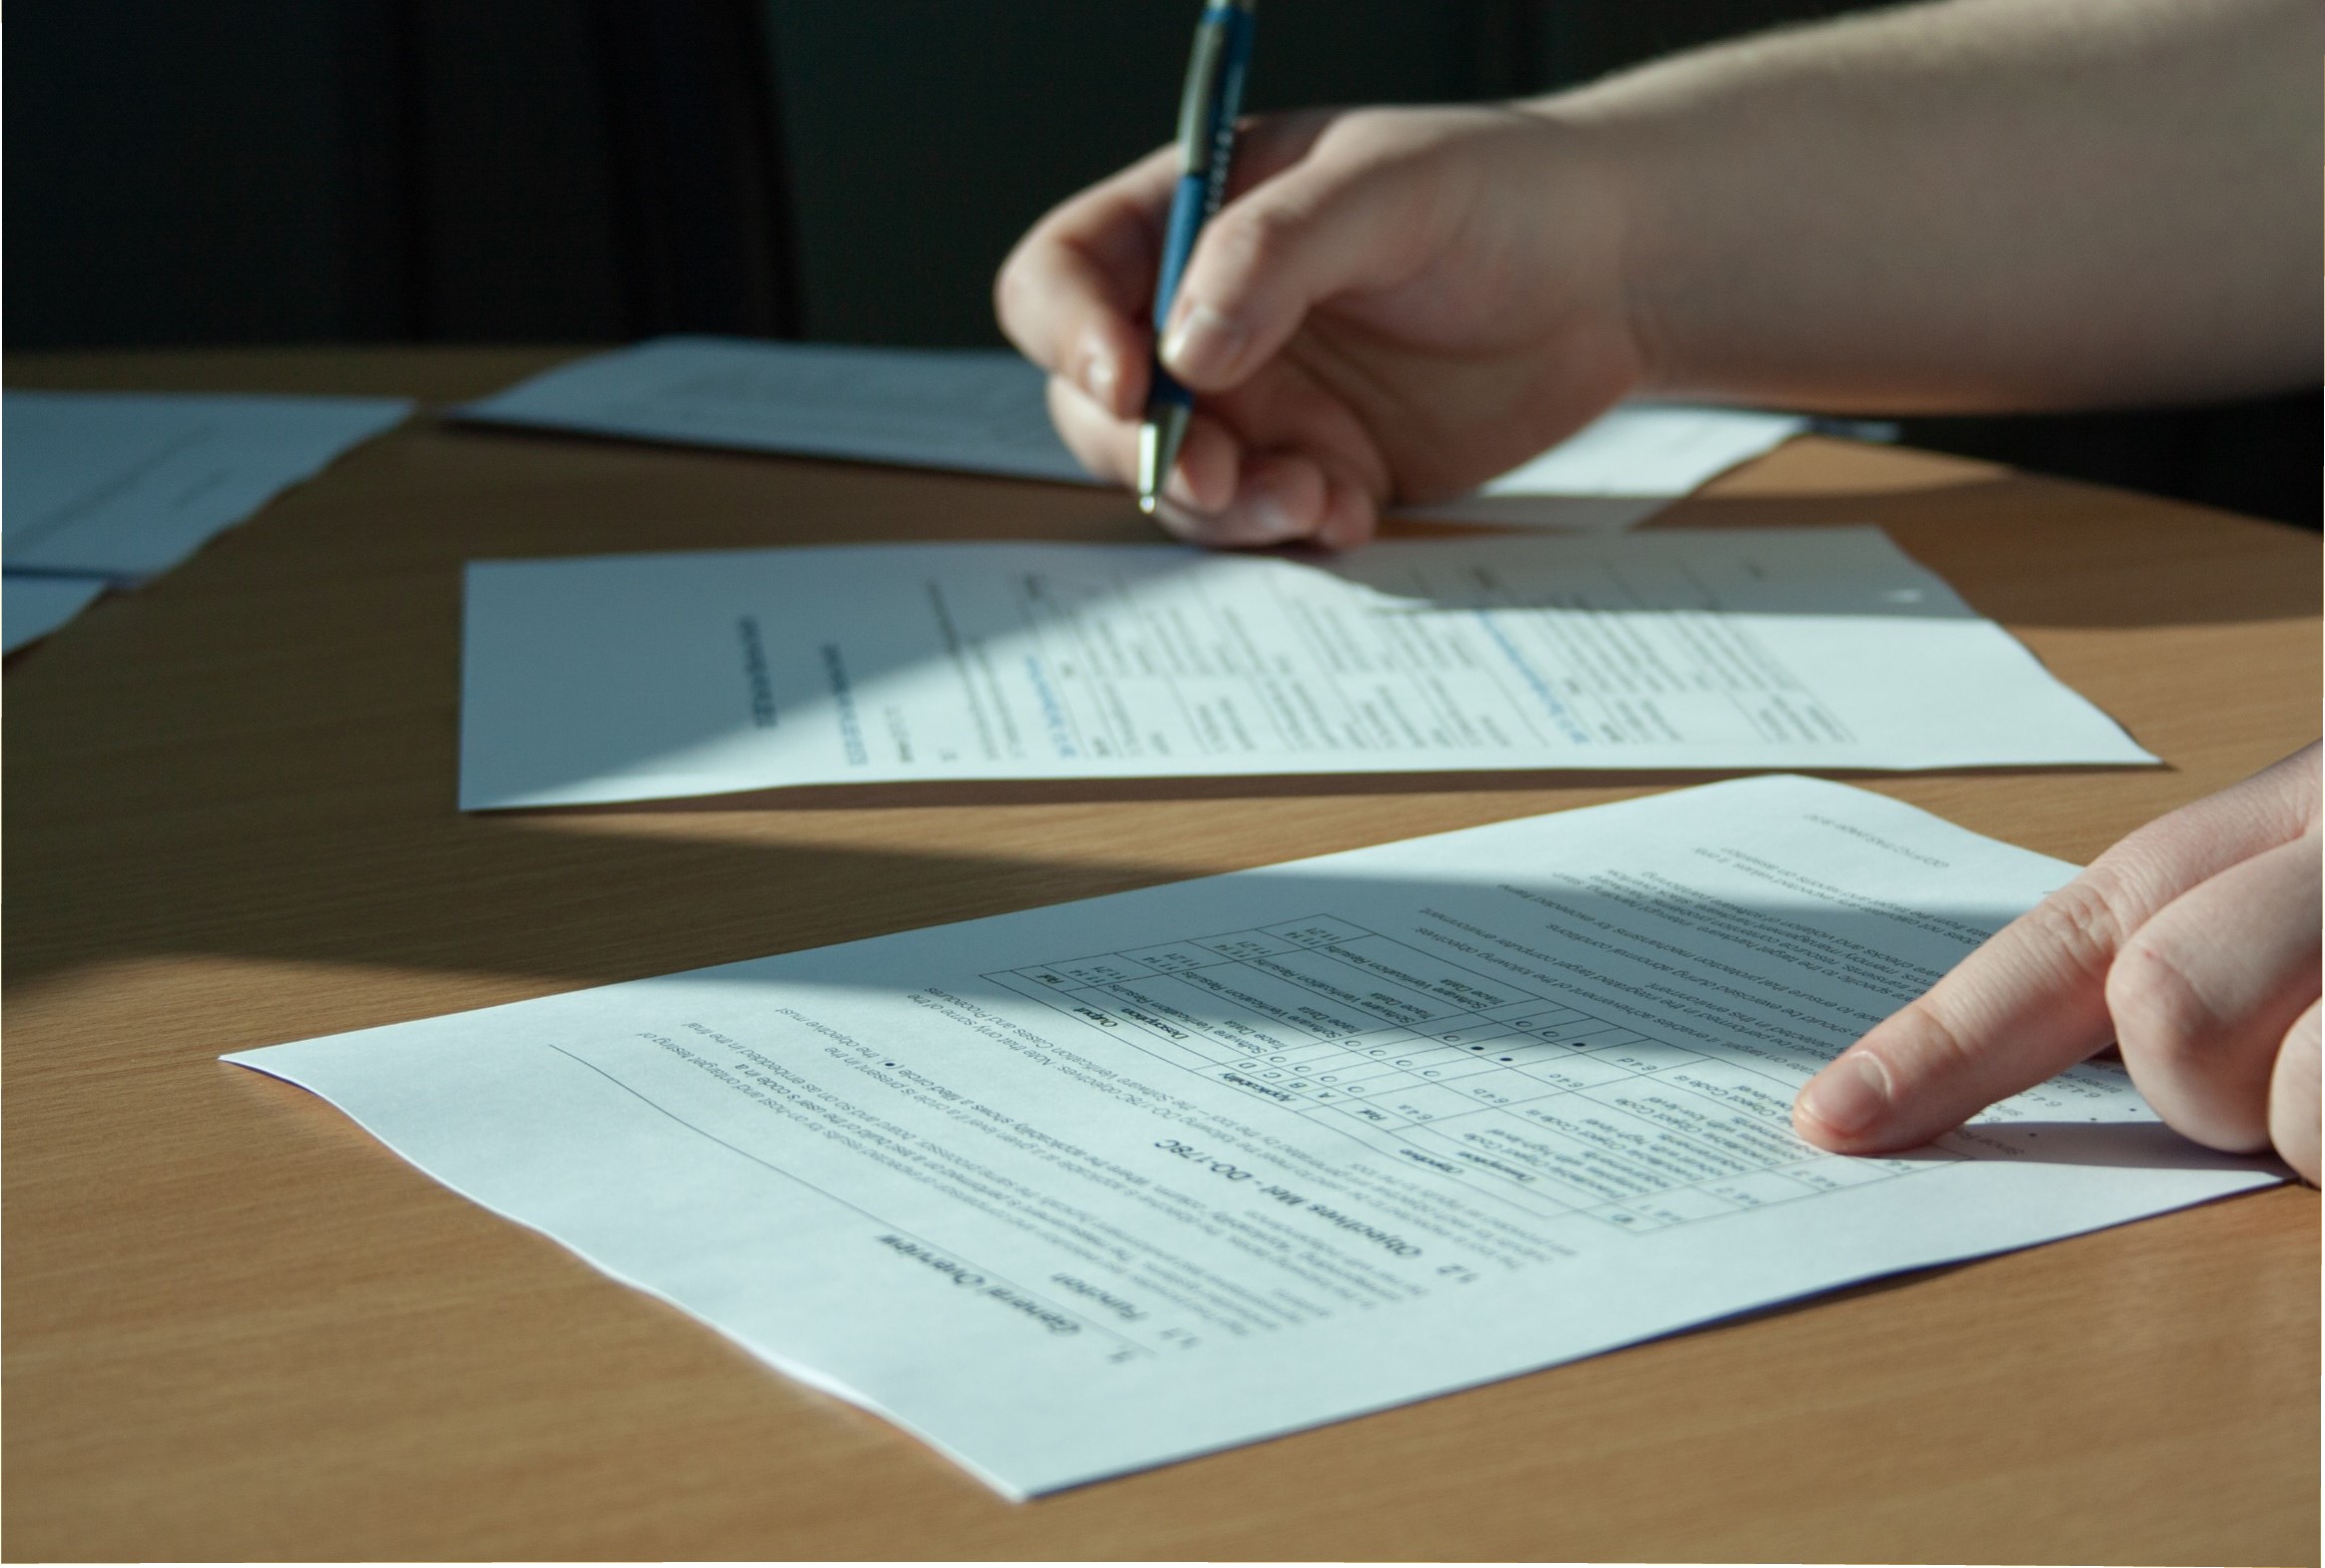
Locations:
(2121, 1146)
(532, 895)
(2125, 1145)
(1486, 984)
(2030, 550)
(2027, 549)
(2034, 552)
(968, 792)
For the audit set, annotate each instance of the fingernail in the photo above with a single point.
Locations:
(1179, 489)
(1851, 1095)
(1268, 522)
(1099, 376)
(1178, 517)
(1202, 342)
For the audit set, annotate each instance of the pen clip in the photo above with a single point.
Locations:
(1197, 105)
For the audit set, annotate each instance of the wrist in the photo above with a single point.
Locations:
(1600, 162)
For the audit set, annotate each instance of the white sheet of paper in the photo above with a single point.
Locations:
(1086, 1189)
(981, 411)
(1622, 468)
(32, 606)
(978, 410)
(127, 484)
(620, 678)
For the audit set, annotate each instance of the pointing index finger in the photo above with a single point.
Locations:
(2032, 1000)
(2029, 1003)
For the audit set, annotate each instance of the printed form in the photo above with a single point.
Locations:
(1081, 1189)
(121, 485)
(621, 677)
(983, 411)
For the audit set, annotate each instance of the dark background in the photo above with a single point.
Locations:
(592, 171)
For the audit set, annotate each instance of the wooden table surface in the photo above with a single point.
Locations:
(237, 1328)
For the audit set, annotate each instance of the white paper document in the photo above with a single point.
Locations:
(981, 411)
(123, 485)
(1091, 1187)
(1621, 468)
(32, 606)
(620, 678)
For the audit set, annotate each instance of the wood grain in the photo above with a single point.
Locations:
(235, 1328)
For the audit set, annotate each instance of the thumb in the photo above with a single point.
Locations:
(1316, 229)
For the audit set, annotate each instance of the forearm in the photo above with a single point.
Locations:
(1977, 205)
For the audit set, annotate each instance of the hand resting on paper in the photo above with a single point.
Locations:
(2193, 945)
(1971, 206)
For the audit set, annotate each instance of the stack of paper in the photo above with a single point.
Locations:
(624, 677)
(109, 488)
(982, 412)
(1081, 1189)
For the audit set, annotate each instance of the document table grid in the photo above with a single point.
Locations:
(1521, 1092)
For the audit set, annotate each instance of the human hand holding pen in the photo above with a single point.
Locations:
(2077, 203)
(2071, 204)
(1374, 313)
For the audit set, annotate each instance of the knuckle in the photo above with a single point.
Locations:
(2159, 1011)
(2082, 926)
(1018, 305)
(1257, 242)
(1368, 127)
(1093, 440)
(1008, 292)
(1924, 1047)
(1009, 278)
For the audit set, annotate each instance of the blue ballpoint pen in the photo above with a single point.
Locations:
(1207, 111)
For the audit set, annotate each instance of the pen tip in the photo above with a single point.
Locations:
(1158, 448)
